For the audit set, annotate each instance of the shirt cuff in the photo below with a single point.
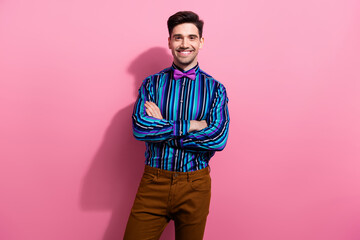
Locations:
(181, 127)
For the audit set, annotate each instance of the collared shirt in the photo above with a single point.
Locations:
(169, 144)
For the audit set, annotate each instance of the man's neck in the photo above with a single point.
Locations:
(185, 68)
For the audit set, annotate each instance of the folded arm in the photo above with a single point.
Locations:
(150, 126)
(214, 136)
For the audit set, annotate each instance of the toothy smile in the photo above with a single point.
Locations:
(184, 52)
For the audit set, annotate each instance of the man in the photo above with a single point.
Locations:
(182, 115)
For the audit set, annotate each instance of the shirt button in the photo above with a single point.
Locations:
(180, 132)
(181, 101)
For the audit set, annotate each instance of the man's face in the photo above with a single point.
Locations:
(185, 43)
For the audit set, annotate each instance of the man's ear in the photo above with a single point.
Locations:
(201, 42)
(169, 42)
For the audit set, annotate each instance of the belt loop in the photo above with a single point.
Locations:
(209, 168)
(158, 173)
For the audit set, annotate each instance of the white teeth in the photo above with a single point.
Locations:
(185, 53)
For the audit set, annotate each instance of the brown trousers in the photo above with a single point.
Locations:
(165, 195)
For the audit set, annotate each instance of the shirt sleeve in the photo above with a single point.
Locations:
(214, 137)
(150, 129)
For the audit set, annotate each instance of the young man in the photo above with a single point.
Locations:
(182, 115)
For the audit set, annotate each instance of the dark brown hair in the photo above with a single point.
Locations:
(185, 17)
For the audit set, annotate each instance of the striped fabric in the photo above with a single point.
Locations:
(169, 144)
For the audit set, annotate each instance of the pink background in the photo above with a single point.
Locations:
(69, 73)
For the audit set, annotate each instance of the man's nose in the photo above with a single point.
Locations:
(184, 43)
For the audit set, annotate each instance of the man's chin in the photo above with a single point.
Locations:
(185, 63)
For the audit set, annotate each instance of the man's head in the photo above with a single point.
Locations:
(185, 17)
(185, 38)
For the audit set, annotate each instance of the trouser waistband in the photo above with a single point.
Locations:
(171, 174)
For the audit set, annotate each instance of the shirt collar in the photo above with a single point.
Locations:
(197, 68)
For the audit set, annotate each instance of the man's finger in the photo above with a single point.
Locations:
(153, 110)
(150, 105)
(148, 113)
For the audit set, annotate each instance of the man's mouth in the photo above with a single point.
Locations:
(184, 52)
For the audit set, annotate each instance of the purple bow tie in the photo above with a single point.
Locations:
(179, 74)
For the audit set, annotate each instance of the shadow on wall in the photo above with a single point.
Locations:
(112, 180)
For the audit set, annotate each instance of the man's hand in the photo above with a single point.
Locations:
(152, 110)
(197, 125)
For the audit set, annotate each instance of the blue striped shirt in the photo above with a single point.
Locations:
(169, 144)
